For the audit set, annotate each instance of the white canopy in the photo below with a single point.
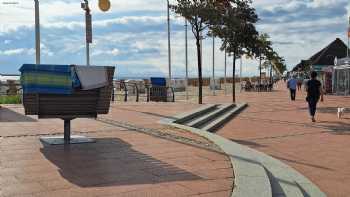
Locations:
(5, 78)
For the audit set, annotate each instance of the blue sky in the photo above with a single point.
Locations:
(133, 34)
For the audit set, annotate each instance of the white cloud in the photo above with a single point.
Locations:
(113, 52)
(295, 38)
(19, 51)
(325, 3)
(7, 41)
(58, 12)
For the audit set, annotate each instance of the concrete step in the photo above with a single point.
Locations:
(205, 119)
(283, 187)
(223, 119)
(188, 116)
(258, 174)
(285, 180)
(251, 179)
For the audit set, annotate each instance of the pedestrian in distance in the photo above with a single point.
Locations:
(292, 86)
(314, 94)
(299, 83)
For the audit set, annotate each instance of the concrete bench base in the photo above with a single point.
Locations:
(59, 140)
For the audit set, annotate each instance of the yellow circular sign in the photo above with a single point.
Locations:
(104, 5)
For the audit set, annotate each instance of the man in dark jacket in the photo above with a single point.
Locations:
(314, 93)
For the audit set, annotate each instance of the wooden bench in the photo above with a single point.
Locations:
(80, 104)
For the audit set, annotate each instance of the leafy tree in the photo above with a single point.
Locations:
(234, 24)
(276, 63)
(197, 13)
(264, 50)
(279, 65)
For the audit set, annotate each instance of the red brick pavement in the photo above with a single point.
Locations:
(277, 126)
(121, 163)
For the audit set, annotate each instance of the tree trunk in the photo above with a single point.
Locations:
(200, 80)
(234, 78)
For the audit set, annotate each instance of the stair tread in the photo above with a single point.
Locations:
(187, 116)
(224, 117)
(209, 116)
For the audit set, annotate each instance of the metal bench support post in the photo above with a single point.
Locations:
(67, 131)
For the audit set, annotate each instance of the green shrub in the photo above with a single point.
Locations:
(10, 99)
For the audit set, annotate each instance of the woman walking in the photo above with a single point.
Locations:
(314, 93)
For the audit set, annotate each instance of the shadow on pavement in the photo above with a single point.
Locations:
(149, 113)
(336, 127)
(302, 163)
(7, 115)
(111, 162)
(248, 143)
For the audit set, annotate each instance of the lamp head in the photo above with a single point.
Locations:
(104, 5)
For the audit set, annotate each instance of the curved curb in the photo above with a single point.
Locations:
(252, 169)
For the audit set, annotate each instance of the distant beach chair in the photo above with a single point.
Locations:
(159, 91)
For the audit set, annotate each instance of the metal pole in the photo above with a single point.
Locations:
(214, 66)
(201, 47)
(37, 32)
(67, 136)
(347, 49)
(201, 43)
(87, 54)
(169, 47)
(88, 30)
(186, 49)
(240, 72)
(260, 59)
(225, 75)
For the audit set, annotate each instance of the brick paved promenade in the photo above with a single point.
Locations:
(281, 128)
(123, 162)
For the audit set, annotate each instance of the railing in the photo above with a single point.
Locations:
(127, 91)
(10, 89)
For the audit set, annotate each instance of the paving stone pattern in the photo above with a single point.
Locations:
(281, 128)
(121, 163)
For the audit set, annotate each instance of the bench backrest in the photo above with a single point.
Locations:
(80, 104)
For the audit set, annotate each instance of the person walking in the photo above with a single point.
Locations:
(292, 86)
(299, 83)
(314, 93)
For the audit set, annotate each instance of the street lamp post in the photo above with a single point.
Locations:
(169, 48)
(347, 49)
(214, 84)
(240, 72)
(88, 25)
(186, 59)
(37, 32)
(225, 75)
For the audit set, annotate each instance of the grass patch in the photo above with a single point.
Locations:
(10, 99)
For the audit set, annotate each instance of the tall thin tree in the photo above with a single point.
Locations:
(197, 13)
(235, 26)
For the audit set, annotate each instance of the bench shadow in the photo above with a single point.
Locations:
(111, 162)
(8, 115)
